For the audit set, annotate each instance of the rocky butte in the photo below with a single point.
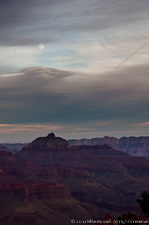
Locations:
(49, 142)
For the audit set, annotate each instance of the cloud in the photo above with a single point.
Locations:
(99, 50)
(7, 128)
(45, 95)
(13, 57)
(142, 124)
(88, 36)
(25, 132)
(29, 22)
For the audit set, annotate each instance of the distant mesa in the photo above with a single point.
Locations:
(49, 142)
(12, 147)
(4, 148)
(138, 146)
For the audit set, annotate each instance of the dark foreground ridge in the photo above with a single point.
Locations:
(50, 182)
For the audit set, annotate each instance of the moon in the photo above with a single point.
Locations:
(41, 46)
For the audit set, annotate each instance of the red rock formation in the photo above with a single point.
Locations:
(131, 145)
(49, 142)
(99, 178)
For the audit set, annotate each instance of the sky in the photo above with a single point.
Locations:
(78, 68)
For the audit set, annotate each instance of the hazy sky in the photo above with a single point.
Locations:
(79, 68)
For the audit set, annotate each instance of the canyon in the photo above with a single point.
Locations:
(51, 182)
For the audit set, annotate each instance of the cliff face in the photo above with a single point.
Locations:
(138, 146)
(53, 194)
(30, 194)
(32, 202)
(46, 184)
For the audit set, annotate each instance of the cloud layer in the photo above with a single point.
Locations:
(94, 36)
(37, 18)
(110, 103)
(100, 52)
